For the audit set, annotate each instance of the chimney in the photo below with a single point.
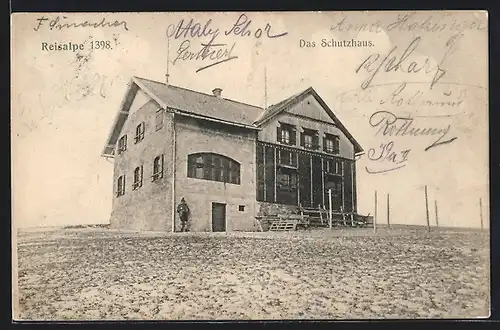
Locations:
(217, 92)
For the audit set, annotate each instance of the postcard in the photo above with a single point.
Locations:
(250, 165)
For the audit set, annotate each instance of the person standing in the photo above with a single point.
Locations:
(183, 210)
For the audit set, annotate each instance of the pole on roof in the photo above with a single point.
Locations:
(167, 75)
(265, 88)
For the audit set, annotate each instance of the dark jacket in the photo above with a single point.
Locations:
(182, 208)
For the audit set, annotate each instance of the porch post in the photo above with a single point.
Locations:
(330, 203)
(311, 172)
(275, 177)
(323, 181)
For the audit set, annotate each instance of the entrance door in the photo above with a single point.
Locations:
(218, 217)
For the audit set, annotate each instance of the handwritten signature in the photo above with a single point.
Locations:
(386, 154)
(61, 22)
(403, 94)
(215, 52)
(389, 124)
(219, 53)
(376, 63)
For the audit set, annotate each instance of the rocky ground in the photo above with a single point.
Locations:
(96, 273)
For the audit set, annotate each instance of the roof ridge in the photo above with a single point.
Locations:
(198, 92)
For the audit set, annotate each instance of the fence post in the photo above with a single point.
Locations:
(481, 212)
(388, 213)
(375, 215)
(427, 210)
(330, 205)
(436, 209)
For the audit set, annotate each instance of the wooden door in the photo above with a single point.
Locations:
(218, 217)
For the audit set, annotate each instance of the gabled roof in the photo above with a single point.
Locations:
(200, 103)
(209, 107)
(186, 102)
(274, 110)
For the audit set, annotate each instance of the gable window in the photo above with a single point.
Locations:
(333, 166)
(139, 132)
(159, 119)
(120, 186)
(138, 172)
(214, 167)
(286, 134)
(157, 168)
(331, 143)
(309, 139)
(122, 144)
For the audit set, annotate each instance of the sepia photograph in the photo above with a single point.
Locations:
(250, 165)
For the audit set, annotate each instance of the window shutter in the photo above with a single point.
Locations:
(315, 141)
(278, 133)
(337, 144)
(123, 187)
(293, 136)
(301, 139)
(324, 143)
(125, 142)
(162, 162)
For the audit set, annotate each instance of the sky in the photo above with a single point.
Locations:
(64, 102)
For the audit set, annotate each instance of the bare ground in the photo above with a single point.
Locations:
(95, 273)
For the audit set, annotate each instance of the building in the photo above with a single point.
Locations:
(229, 160)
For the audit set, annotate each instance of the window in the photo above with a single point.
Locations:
(286, 134)
(241, 208)
(159, 119)
(214, 167)
(286, 180)
(137, 178)
(139, 132)
(331, 144)
(287, 158)
(309, 139)
(122, 144)
(333, 166)
(120, 188)
(157, 168)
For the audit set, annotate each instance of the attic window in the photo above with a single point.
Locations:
(286, 134)
(122, 144)
(309, 139)
(331, 143)
(159, 119)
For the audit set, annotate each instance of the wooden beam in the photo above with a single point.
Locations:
(427, 210)
(481, 212)
(436, 210)
(322, 181)
(388, 212)
(298, 179)
(352, 187)
(375, 215)
(265, 171)
(311, 170)
(275, 177)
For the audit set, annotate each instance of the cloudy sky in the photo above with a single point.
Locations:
(64, 102)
